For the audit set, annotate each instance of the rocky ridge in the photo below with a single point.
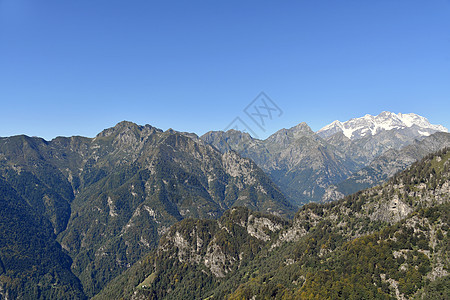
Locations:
(298, 161)
(110, 198)
(390, 241)
(325, 165)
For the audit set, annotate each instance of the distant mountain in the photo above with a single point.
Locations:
(371, 125)
(364, 150)
(387, 242)
(109, 198)
(298, 160)
(307, 165)
(387, 164)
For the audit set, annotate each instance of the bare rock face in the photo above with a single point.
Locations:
(332, 194)
(237, 166)
(215, 260)
(391, 210)
(207, 243)
(257, 227)
(293, 234)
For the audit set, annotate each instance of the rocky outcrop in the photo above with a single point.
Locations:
(207, 242)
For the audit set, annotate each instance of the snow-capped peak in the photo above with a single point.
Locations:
(371, 125)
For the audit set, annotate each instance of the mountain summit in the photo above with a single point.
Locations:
(98, 205)
(370, 125)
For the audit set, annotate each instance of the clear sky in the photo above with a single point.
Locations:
(77, 67)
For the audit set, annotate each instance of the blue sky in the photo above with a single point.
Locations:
(77, 67)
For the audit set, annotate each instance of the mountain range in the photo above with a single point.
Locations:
(106, 200)
(387, 242)
(307, 165)
(371, 125)
(78, 214)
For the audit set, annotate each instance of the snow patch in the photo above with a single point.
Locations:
(424, 133)
(371, 125)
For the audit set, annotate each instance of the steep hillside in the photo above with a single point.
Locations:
(162, 178)
(195, 256)
(39, 174)
(387, 242)
(32, 263)
(110, 198)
